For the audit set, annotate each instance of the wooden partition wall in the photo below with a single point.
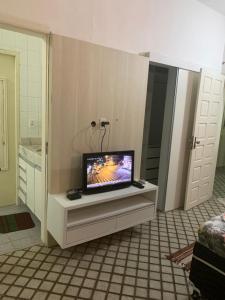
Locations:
(89, 82)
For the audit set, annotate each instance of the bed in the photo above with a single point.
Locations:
(208, 263)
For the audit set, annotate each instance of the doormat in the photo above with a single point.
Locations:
(183, 257)
(221, 200)
(16, 222)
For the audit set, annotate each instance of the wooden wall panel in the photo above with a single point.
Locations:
(89, 82)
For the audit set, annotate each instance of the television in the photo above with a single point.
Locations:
(106, 171)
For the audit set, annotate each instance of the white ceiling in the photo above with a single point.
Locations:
(218, 5)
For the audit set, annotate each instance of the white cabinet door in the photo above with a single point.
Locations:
(30, 187)
(38, 195)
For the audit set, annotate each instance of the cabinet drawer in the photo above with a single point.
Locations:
(22, 164)
(23, 185)
(152, 174)
(152, 163)
(22, 174)
(153, 152)
(22, 196)
(135, 217)
(90, 231)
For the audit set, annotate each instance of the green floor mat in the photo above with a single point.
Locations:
(15, 222)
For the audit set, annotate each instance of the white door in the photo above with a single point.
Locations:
(206, 133)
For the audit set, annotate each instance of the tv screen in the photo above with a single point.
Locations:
(107, 171)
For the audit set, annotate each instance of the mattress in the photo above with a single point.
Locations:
(212, 235)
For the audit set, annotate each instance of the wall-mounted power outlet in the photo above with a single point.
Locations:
(100, 122)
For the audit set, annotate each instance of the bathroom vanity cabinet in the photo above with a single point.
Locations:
(30, 186)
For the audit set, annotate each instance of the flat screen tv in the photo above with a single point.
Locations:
(107, 171)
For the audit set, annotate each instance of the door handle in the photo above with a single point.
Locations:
(196, 142)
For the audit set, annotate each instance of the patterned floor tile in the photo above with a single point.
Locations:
(130, 264)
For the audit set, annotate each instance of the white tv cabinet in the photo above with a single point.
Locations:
(93, 216)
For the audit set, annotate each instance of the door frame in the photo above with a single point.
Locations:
(46, 96)
(44, 35)
(17, 106)
(167, 132)
(221, 160)
(186, 94)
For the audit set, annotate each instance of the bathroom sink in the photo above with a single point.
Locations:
(31, 153)
(34, 148)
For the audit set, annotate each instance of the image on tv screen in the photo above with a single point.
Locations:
(108, 169)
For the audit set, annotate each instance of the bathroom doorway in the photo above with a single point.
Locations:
(24, 149)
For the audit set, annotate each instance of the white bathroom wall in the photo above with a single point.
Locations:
(30, 53)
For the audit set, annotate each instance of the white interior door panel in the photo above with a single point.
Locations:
(206, 134)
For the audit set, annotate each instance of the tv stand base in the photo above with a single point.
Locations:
(93, 216)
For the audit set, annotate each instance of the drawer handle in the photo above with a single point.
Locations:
(23, 168)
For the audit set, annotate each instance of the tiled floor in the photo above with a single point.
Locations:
(219, 184)
(20, 239)
(127, 265)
